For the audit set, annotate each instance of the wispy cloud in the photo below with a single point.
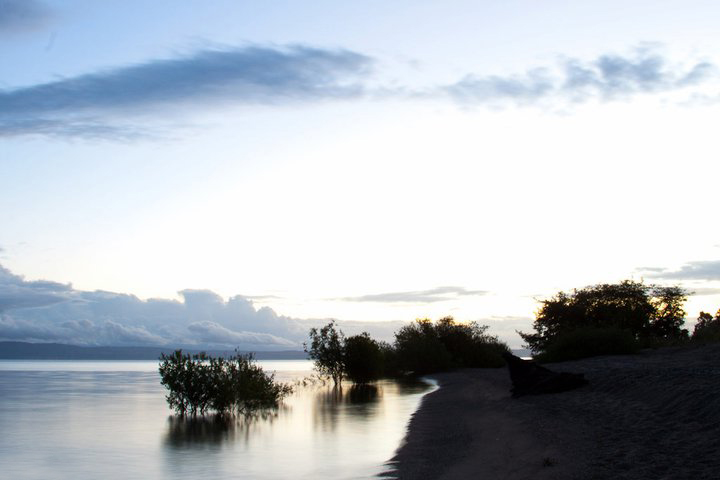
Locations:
(91, 104)
(698, 270)
(439, 294)
(701, 292)
(122, 103)
(607, 77)
(21, 15)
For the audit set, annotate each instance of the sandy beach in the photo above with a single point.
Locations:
(655, 415)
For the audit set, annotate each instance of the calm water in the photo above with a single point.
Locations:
(109, 420)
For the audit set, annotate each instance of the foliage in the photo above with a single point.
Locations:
(419, 350)
(707, 328)
(199, 383)
(390, 359)
(363, 358)
(646, 311)
(327, 349)
(423, 347)
(420, 347)
(588, 342)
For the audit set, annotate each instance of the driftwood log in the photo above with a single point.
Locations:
(529, 378)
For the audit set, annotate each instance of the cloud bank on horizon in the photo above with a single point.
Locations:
(111, 103)
(44, 311)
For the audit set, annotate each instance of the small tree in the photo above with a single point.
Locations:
(327, 349)
(363, 358)
(648, 312)
(707, 328)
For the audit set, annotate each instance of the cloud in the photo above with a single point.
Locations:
(85, 128)
(607, 77)
(122, 103)
(22, 15)
(15, 292)
(439, 294)
(698, 270)
(45, 311)
(213, 333)
(93, 104)
(701, 292)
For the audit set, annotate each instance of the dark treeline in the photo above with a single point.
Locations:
(617, 318)
(419, 348)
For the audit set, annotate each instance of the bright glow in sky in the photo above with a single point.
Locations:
(366, 161)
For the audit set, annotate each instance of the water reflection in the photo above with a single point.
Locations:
(213, 430)
(363, 394)
(86, 424)
(334, 406)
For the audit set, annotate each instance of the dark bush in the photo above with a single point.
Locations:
(327, 349)
(363, 359)
(423, 347)
(707, 328)
(419, 350)
(589, 342)
(649, 312)
(390, 359)
(198, 383)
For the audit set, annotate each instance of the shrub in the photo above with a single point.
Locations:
(390, 360)
(648, 312)
(419, 350)
(327, 349)
(423, 347)
(198, 383)
(363, 358)
(707, 328)
(589, 342)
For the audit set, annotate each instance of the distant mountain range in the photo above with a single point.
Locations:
(57, 351)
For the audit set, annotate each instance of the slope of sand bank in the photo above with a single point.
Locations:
(655, 415)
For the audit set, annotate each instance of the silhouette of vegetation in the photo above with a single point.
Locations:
(201, 383)
(363, 359)
(363, 393)
(651, 314)
(390, 359)
(327, 349)
(707, 328)
(589, 342)
(185, 432)
(424, 347)
(420, 347)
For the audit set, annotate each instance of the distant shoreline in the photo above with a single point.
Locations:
(57, 351)
(646, 416)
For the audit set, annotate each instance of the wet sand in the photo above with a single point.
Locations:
(655, 415)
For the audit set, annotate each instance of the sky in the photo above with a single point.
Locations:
(230, 173)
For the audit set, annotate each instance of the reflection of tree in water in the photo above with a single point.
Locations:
(214, 430)
(409, 386)
(333, 404)
(358, 394)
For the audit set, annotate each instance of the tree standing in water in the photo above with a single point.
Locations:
(327, 349)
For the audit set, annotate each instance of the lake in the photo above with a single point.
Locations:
(109, 420)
